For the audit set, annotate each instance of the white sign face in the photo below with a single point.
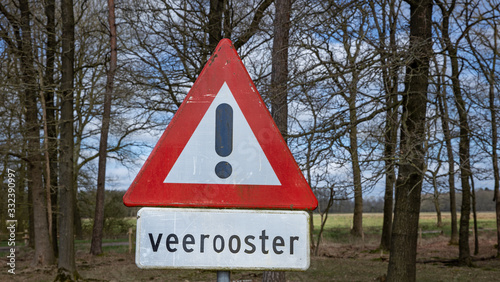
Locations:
(198, 159)
(222, 239)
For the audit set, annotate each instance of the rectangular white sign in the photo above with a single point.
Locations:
(222, 239)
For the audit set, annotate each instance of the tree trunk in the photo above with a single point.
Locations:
(214, 28)
(279, 74)
(443, 108)
(497, 209)
(44, 254)
(402, 261)
(390, 173)
(497, 189)
(66, 264)
(494, 144)
(463, 241)
(357, 222)
(279, 79)
(31, 224)
(464, 257)
(489, 73)
(439, 222)
(390, 76)
(274, 276)
(96, 246)
(3, 195)
(463, 151)
(323, 218)
(474, 214)
(48, 173)
(385, 241)
(215, 23)
(50, 112)
(309, 180)
(77, 219)
(494, 139)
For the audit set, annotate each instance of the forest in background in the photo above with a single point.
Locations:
(484, 202)
(403, 94)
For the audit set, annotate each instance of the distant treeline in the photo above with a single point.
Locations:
(484, 202)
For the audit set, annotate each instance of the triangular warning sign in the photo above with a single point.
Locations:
(222, 149)
(196, 163)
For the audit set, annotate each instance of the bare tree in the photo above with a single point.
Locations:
(352, 49)
(167, 43)
(51, 115)
(451, 48)
(66, 263)
(402, 261)
(338, 69)
(279, 93)
(324, 212)
(443, 112)
(487, 64)
(474, 216)
(494, 140)
(433, 173)
(386, 19)
(21, 46)
(96, 245)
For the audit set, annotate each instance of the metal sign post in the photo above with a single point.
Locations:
(223, 276)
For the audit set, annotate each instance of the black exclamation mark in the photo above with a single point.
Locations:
(223, 138)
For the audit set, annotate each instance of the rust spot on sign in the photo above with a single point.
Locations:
(212, 59)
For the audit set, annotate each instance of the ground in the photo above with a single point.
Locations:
(348, 261)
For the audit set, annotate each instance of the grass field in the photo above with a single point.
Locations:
(340, 257)
(427, 220)
(338, 226)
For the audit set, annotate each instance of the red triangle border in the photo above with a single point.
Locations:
(148, 188)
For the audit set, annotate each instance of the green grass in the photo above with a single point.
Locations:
(117, 249)
(88, 241)
(337, 228)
